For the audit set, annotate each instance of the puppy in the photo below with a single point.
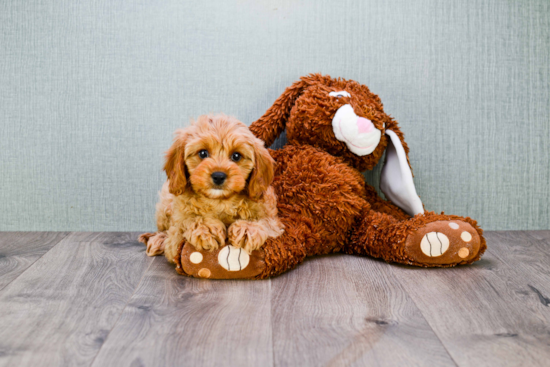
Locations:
(218, 190)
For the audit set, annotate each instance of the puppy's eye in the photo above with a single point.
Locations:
(339, 94)
(235, 157)
(203, 153)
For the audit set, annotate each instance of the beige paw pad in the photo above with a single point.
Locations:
(434, 244)
(463, 252)
(204, 273)
(453, 225)
(232, 258)
(466, 236)
(195, 258)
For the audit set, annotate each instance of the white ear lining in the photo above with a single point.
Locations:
(396, 181)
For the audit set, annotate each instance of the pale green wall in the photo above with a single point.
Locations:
(91, 91)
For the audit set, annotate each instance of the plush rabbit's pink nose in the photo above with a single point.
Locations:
(364, 125)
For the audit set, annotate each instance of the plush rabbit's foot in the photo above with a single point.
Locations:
(444, 243)
(227, 262)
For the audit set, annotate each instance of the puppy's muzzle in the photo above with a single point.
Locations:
(218, 178)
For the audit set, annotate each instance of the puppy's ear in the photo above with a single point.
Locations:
(262, 174)
(273, 122)
(175, 167)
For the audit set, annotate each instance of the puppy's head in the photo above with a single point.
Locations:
(218, 157)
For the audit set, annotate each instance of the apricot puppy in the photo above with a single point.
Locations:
(218, 190)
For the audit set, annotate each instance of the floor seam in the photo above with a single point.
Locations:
(67, 234)
(423, 316)
(122, 312)
(271, 322)
(527, 278)
(543, 239)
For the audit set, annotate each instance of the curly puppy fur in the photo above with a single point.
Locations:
(207, 210)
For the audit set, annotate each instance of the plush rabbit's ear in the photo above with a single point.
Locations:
(396, 181)
(273, 122)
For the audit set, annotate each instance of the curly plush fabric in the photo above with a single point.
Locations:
(323, 200)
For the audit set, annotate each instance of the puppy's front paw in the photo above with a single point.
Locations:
(246, 235)
(206, 235)
(144, 238)
(155, 244)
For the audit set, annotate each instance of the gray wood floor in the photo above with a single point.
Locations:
(95, 299)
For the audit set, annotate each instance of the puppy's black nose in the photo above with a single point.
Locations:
(218, 177)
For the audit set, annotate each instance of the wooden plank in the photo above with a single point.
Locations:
(483, 313)
(541, 235)
(344, 310)
(173, 320)
(19, 250)
(60, 310)
(528, 257)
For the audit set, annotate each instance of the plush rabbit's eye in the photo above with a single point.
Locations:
(235, 157)
(339, 94)
(203, 153)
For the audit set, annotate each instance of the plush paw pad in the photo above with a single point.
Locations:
(434, 244)
(233, 259)
(229, 262)
(443, 243)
